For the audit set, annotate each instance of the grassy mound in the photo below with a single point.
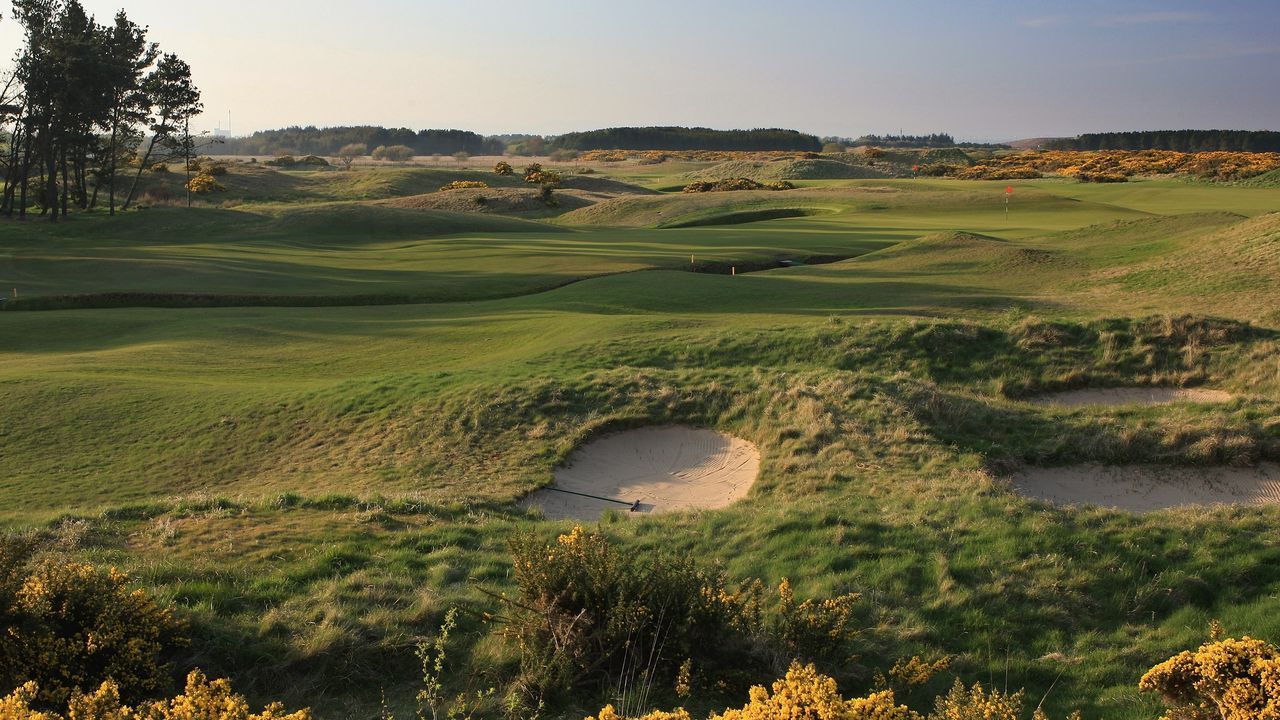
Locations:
(521, 202)
(743, 217)
(791, 169)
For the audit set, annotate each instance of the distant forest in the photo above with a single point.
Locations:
(1180, 140)
(682, 138)
(327, 141)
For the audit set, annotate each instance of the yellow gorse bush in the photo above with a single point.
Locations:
(805, 694)
(71, 626)
(976, 703)
(608, 713)
(204, 182)
(464, 185)
(1222, 680)
(203, 699)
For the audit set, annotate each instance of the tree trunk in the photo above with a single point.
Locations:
(111, 165)
(50, 179)
(66, 186)
(186, 150)
(151, 146)
(10, 187)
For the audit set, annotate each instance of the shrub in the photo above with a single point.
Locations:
(534, 173)
(546, 196)
(1100, 177)
(462, 156)
(216, 169)
(502, 167)
(160, 169)
(464, 185)
(393, 153)
(590, 610)
(1222, 680)
(593, 610)
(204, 182)
(804, 693)
(347, 154)
(564, 155)
(282, 161)
(69, 625)
(202, 700)
(733, 184)
(975, 703)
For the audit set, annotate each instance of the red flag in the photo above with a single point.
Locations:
(1008, 190)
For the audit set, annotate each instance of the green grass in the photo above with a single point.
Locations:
(315, 486)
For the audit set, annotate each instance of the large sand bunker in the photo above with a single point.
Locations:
(1144, 488)
(1131, 396)
(651, 470)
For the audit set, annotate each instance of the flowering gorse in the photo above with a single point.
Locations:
(1222, 680)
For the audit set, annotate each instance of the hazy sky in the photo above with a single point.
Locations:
(978, 69)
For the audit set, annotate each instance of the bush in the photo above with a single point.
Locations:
(589, 610)
(564, 155)
(68, 625)
(462, 156)
(804, 693)
(1223, 680)
(733, 184)
(464, 185)
(202, 700)
(393, 153)
(204, 182)
(160, 169)
(503, 168)
(282, 161)
(533, 173)
(347, 154)
(1100, 177)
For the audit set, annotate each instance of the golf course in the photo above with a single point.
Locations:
(310, 412)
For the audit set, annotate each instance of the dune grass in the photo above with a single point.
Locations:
(315, 486)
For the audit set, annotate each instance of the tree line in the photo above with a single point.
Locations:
(1178, 140)
(86, 106)
(684, 138)
(329, 141)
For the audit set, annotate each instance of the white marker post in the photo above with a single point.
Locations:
(1008, 193)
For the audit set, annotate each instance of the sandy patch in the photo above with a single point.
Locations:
(654, 470)
(1144, 488)
(1132, 396)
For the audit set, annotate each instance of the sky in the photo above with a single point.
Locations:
(978, 69)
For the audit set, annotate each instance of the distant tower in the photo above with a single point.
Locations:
(224, 132)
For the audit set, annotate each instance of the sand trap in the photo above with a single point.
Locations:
(1132, 396)
(1143, 488)
(658, 469)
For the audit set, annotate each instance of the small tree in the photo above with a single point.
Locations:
(348, 153)
(462, 156)
(393, 153)
(503, 168)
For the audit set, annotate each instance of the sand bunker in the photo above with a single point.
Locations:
(1132, 396)
(1144, 488)
(652, 470)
